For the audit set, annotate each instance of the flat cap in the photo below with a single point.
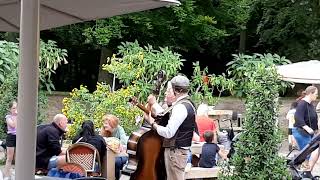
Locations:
(180, 81)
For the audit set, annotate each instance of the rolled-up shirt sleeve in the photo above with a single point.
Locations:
(178, 115)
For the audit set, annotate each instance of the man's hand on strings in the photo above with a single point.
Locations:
(149, 118)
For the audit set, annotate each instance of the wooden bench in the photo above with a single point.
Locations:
(199, 172)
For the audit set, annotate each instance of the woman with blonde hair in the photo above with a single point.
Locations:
(306, 121)
(111, 128)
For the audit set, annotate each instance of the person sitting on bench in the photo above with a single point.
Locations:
(209, 151)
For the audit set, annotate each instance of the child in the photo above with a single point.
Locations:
(290, 118)
(11, 120)
(209, 151)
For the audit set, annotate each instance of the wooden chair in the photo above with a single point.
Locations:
(75, 168)
(86, 155)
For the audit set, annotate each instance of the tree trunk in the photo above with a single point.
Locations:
(242, 45)
(104, 76)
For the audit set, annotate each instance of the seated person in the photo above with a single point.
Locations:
(204, 122)
(48, 153)
(111, 128)
(209, 151)
(88, 135)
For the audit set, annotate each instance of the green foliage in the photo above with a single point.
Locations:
(182, 27)
(112, 30)
(256, 154)
(83, 105)
(50, 58)
(289, 27)
(203, 85)
(242, 66)
(8, 58)
(235, 13)
(139, 66)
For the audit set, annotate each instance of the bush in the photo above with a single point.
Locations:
(256, 154)
(82, 105)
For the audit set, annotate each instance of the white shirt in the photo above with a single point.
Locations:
(178, 114)
(290, 117)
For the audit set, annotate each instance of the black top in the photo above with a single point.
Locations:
(208, 155)
(48, 144)
(306, 115)
(97, 141)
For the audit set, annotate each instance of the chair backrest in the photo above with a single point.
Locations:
(74, 168)
(84, 154)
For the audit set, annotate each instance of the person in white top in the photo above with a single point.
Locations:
(291, 120)
(179, 130)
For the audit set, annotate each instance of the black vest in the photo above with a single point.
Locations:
(184, 134)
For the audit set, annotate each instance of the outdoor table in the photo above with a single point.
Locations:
(108, 164)
(196, 147)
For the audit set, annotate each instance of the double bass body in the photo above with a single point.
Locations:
(146, 154)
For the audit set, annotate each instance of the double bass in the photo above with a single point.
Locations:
(146, 154)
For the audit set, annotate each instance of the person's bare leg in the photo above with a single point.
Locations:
(10, 155)
(314, 158)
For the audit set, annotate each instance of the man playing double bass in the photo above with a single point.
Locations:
(179, 130)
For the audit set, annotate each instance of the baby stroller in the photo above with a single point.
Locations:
(300, 158)
(226, 135)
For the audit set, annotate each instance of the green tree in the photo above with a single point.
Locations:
(242, 66)
(194, 25)
(288, 27)
(256, 152)
(50, 58)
